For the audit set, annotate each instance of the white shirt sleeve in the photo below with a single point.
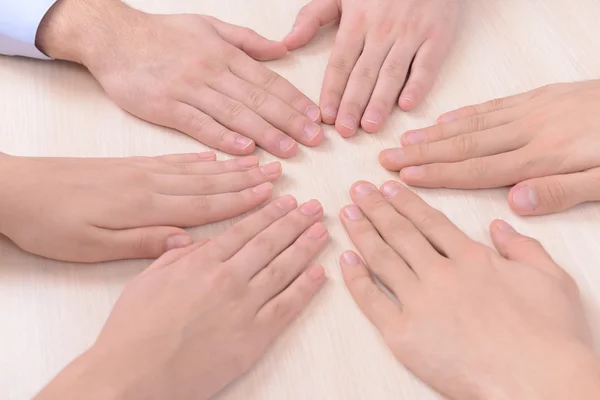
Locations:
(19, 23)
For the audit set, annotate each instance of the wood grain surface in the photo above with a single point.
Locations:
(52, 311)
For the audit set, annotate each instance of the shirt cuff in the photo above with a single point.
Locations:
(19, 23)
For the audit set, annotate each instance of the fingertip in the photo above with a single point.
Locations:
(317, 274)
(372, 122)
(522, 199)
(390, 158)
(407, 102)
(177, 241)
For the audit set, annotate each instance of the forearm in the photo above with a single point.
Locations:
(81, 30)
(107, 375)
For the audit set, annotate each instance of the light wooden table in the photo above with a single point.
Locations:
(51, 311)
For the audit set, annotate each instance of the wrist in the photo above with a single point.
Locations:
(107, 374)
(562, 371)
(82, 30)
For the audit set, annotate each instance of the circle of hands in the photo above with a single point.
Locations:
(467, 319)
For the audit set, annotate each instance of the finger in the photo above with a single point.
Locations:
(235, 115)
(205, 129)
(311, 17)
(229, 243)
(435, 226)
(389, 84)
(395, 230)
(458, 148)
(276, 276)
(191, 185)
(423, 71)
(173, 255)
(268, 244)
(186, 211)
(383, 261)
(247, 40)
(272, 109)
(361, 84)
(555, 193)
(477, 173)
(377, 307)
(498, 122)
(144, 242)
(203, 168)
(187, 158)
(287, 306)
(348, 46)
(515, 247)
(273, 83)
(487, 107)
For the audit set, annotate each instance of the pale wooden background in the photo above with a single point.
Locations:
(50, 311)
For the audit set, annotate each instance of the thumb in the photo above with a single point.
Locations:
(555, 193)
(311, 17)
(250, 42)
(147, 242)
(523, 249)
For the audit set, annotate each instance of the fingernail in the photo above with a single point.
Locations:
(353, 213)
(504, 226)
(286, 203)
(313, 113)
(242, 142)
(316, 273)
(247, 162)
(391, 189)
(372, 117)
(525, 199)
(448, 117)
(364, 188)
(413, 172)
(317, 231)
(206, 155)
(178, 241)
(348, 122)
(311, 130)
(312, 207)
(263, 188)
(414, 137)
(350, 258)
(393, 155)
(271, 169)
(330, 111)
(286, 144)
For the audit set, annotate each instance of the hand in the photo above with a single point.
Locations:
(192, 73)
(91, 210)
(384, 49)
(472, 324)
(200, 317)
(545, 141)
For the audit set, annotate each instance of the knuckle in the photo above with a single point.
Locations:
(422, 151)
(464, 144)
(341, 65)
(200, 203)
(234, 110)
(221, 135)
(268, 78)
(277, 275)
(267, 244)
(477, 123)
(395, 69)
(367, 73)
(196, 121)
(282, 311)
(496, 104)
(553, 194)
(206, 184)
(477, 168)
(258, 99)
